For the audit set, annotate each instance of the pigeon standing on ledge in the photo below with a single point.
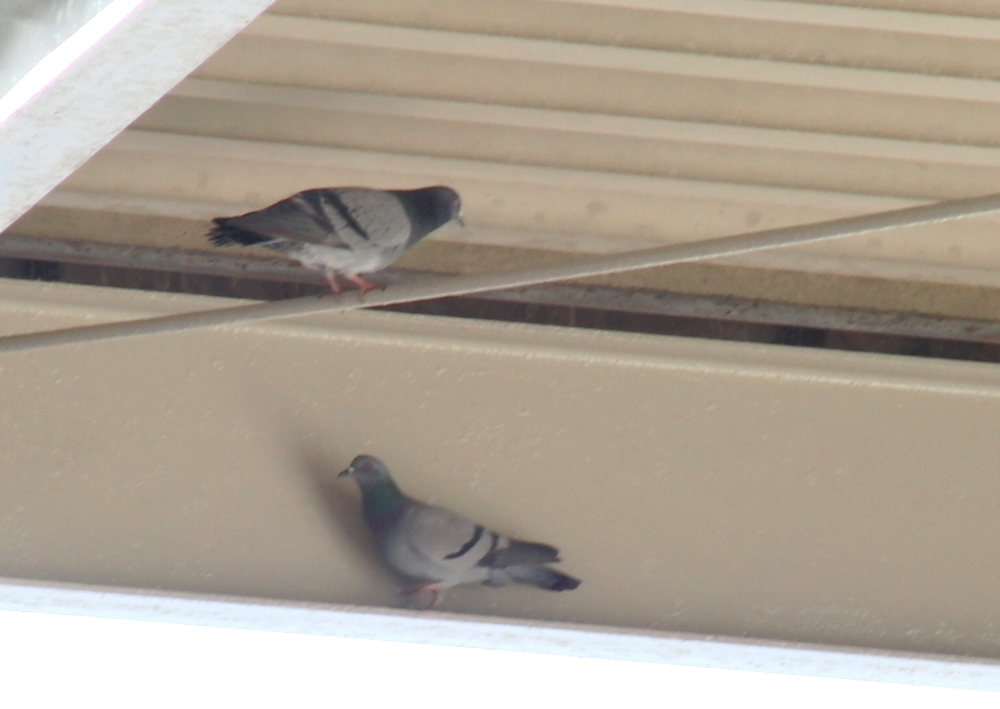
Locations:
(442, 549)
(343, 231)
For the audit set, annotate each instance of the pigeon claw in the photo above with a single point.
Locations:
(363, 284)
(331, 278)
(437, 594)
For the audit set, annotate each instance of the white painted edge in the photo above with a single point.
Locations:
(67, 52)
(98, 95)
(496, 634)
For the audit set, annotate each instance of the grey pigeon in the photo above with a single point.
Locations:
(441, 549)
(343, 231)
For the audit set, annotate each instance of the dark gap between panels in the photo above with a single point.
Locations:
(649, 312)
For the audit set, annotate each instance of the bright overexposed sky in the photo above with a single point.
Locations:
(57, 660)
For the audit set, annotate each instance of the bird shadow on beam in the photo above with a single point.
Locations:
(341, 507)
(340, 502)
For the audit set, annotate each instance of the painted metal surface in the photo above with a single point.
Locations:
(705, 487)
(941, 212)
(592, 127)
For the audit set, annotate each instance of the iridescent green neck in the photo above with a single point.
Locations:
(382, 500)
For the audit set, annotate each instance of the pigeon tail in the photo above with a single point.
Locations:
(543, 577)
(521, 554)
(223, 234)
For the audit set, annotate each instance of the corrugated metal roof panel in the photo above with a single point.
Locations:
(571, 125)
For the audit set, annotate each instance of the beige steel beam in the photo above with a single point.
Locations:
(460, 285)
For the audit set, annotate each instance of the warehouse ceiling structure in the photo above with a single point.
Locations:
(579, 127)
(729, 488)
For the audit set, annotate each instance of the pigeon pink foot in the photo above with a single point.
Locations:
(331, 278)
(363, 284)
(437, 593)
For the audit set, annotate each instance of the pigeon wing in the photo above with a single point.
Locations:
(297, 218)
(436, 544)
(520, 553)
(375, 216)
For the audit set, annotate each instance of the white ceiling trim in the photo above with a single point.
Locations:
(97, 96)
(478, 632)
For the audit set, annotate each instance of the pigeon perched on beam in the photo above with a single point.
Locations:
(345, 231)
(440, 549)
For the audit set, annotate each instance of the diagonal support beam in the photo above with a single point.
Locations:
(91, 86)
(463, 285)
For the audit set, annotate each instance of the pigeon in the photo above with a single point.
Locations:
(440, 549)
(343, 231)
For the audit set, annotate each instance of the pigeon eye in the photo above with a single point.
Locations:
(366, 466)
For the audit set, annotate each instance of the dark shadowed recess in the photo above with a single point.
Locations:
(564, 305)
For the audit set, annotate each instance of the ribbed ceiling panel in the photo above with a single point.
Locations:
(570, 125)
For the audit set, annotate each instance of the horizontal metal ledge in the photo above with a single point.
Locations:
(606, 301)
(95, 253)
(462, 285)
(491, 634)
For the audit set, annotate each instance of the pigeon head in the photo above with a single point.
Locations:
(367, 470)
(451, 205)
(430, 208)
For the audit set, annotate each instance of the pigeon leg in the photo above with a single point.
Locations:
(331, 278)
(437, 593)
(364, 284)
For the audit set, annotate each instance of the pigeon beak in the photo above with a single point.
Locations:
(461, 222)
(345, 473)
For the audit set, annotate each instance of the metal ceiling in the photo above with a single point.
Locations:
(774, 493)
(572, 126)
